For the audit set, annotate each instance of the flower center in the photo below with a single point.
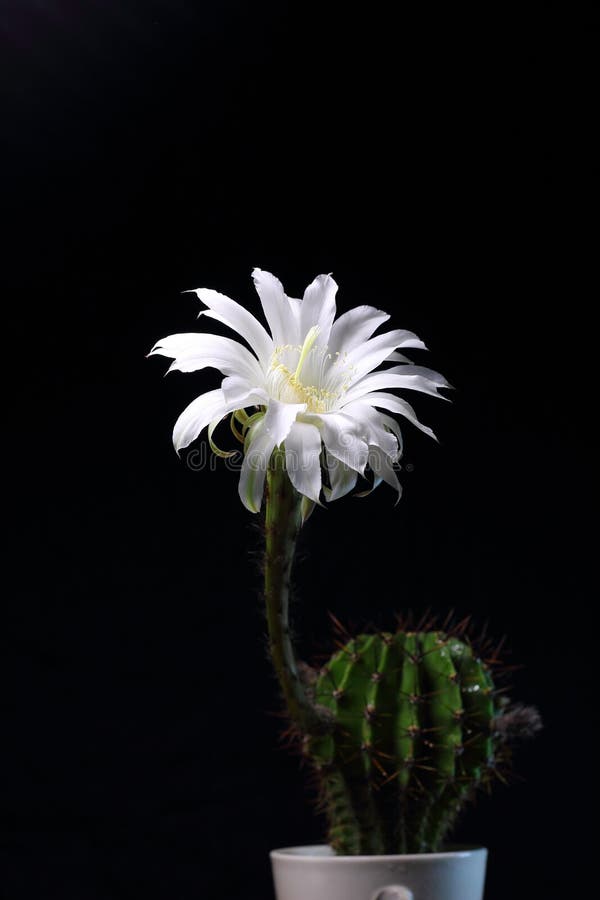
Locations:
(308, 374)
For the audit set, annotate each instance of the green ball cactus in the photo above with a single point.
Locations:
(411, 735)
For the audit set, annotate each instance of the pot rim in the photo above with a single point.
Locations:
(304, 853)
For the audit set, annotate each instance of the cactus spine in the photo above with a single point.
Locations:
(412, 737)
(282, 522)
(401, 728)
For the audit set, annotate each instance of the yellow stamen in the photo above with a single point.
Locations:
(289, 386)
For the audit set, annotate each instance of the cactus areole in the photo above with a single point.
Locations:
(413, 736)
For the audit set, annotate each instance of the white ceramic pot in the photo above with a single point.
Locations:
(315, 873)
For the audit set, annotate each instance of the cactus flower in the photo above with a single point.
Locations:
(313, 386)
(400, 729)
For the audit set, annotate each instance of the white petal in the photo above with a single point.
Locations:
(277, 308)
(369, 355)
(373, 423)
(237, 389)
(280, 418)
(303, 459)
(230, 313)
(267, 434)
(410, 377)
(383, 468)
(295, 307)
(393, 426)
(422, 371)
(197, 416)
(341, 478)
(173, 344)
(355, 327)
(398, 357)
(396, 405)
(343, 438)
(318, 308)
(192, 352)
(210, 407)
(376, 482)
(254, 468)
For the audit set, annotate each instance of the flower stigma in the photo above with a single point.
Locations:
(308, 374)
(307, 346)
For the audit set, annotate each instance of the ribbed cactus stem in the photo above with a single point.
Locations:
(283, 520)
(412, 738)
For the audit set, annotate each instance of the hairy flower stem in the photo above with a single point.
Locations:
(283, 520)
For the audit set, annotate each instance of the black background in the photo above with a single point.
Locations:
(444, 168)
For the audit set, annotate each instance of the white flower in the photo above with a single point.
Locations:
(313, 381)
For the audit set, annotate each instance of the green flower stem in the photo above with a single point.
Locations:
(283, 520)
